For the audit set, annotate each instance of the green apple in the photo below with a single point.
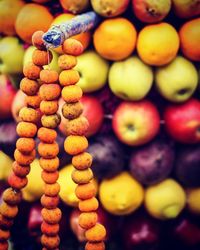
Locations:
(177, 80)
(130, 79)
(11, 55)
(53, 65)
(93, 71)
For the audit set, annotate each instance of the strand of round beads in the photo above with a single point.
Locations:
(76, 144)
(48, 148)
(25, 151)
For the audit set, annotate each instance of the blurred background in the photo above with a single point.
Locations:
(140, 74)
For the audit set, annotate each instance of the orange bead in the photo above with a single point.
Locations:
(26, 129)
(33, 101)
(29, 115)
(31, 71)
(37, 40)
(95, 246)
(17, 182)
(72, 93)
(4, 234)
(82, 161)
(4, 245)
(47, 135)
(72, 110)
(67, 62)
(77, 126)
(12, 197)
(24, 159)
(49, 202)
(48, 151)
(96, 233)
(20, 171)
(88, 205)
(75, 144)
(5, 222)
(50, 92)
(8, 211)
(69, 77)
(25, 145)
(82, 176)
(52, 189)
(49, 107)
(87, 220)
(49, 229)
(50, 242)
(50, 177)
(29, 87)
(50, 165)
(72, 47)
(41, 57)
(48, 76)
(85, 191)
(51, 216)
(50, 121)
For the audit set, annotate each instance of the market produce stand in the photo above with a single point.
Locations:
(143, 127)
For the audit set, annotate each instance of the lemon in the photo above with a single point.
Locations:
(121, 195)
(68, 186)
(165, 200)
(6, 166)
(35, 187)
(193, 200)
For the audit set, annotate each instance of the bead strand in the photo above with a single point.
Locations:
(76, 145)
(25, 151)
(48, 148)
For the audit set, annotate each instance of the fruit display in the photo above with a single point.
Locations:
(99, 124)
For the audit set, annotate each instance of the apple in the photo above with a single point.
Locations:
(150, 11)
(8, 137)
(130, 79)
(92, 78)
(11, 55)
(140, 232)
(177, 80)
(186, 8)
(35, 221)
(153, 162)
(187, 165)
(183, 121)
(18, 103)
(53, 64)
(7, 94)
(75, 6)
(186, 231)
(78, 231)
(93, 111)
(108, 156)
(109, 8)
(136, 123)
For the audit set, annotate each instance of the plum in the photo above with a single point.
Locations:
(153, 162)
(187, 165)
(108, 156)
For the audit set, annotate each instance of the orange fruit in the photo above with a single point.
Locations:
(190, 39)
(32, 17)
(115, 38)
(158, 44)
(84, 38)
(9, 10)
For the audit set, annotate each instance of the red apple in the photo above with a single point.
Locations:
(18, 103)
(150, 11)
(183, 121)
(187, 232)
(7, 94)
(140, 232)
(35, 221)
(93, 111)
(136, 123)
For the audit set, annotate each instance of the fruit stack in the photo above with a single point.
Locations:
(139, 73)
